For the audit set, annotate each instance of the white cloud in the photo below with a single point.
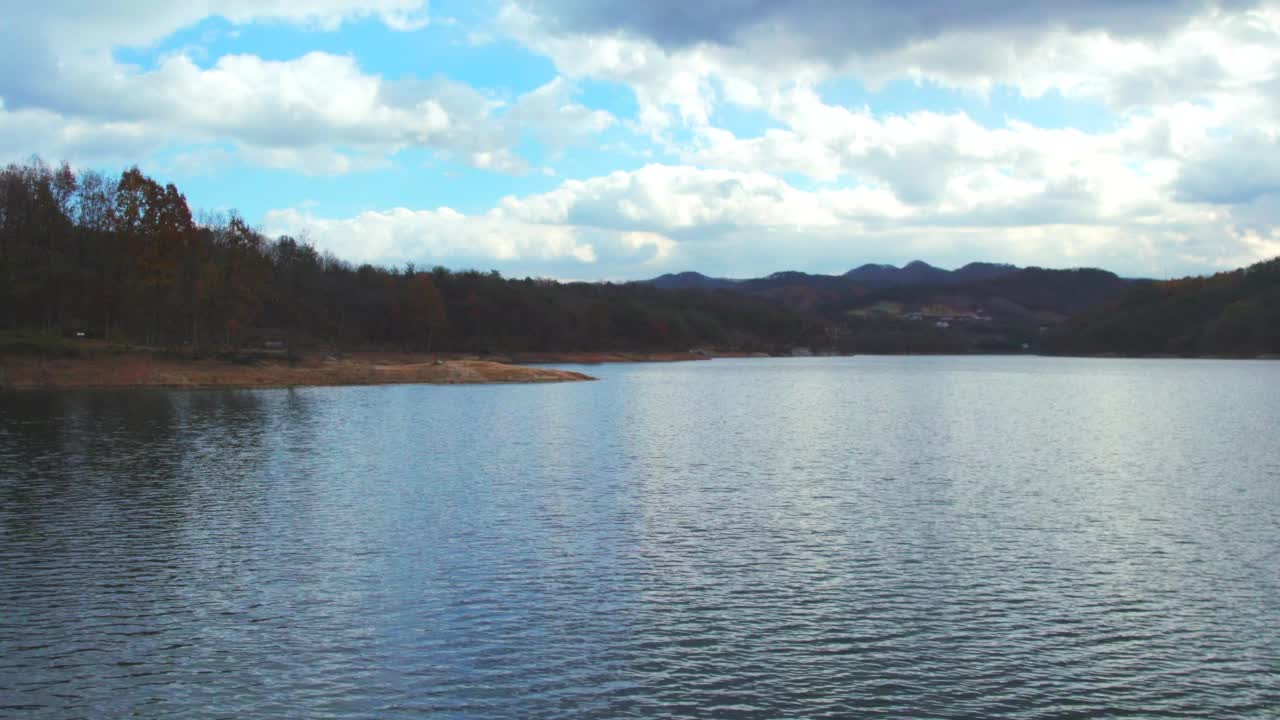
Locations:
(292, 113)
(1194, 92)
(1234, 170)
(442, 235)
(663, 218)
(549, 113)
(1152, 49)
(32, 131)
(97, 26)
(697, 204)
(317, 160)
(663, 81)
(319, 113)
(491, 240)
(1180, 52)
(1225, 60)
(951, 164)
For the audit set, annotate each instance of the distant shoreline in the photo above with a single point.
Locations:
(99, 368)
(89, 365)
(599, 358)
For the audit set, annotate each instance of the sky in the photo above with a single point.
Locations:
(622, 139)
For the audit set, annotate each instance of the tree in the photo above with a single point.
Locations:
(125, 254)
(424, 306)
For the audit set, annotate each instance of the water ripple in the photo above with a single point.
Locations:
(874, 537)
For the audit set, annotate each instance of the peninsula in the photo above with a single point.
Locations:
(103, 369)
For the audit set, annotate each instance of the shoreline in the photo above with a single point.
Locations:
(91, 367)
(94, 365)
(106, 370)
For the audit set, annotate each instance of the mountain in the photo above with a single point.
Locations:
(980, 307)
(792, 279)
(1232, 313)
(1005, 311)
(875, 276)
(690, 281)
(918, 272)
(869, 277)
(1064, 292)
(976, 271)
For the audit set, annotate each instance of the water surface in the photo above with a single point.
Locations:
(862, 537)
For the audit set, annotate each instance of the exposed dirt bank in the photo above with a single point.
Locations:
(141, 369)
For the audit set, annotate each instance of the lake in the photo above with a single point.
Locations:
(949, 537)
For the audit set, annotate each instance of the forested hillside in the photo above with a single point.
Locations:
(1230, 313)
(123, 259)
(1007, 311)
(981, 307)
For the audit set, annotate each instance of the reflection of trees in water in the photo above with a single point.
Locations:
(144, 466)
(128, 510)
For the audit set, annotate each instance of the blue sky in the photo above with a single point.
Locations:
(616, 140)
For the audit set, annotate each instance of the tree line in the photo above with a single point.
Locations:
(125, 260)
(1229, 313)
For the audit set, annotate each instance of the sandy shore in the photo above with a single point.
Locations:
(141, 369)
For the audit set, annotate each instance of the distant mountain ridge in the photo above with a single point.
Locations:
(979, 307)
(870, 276)
(690, 281)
